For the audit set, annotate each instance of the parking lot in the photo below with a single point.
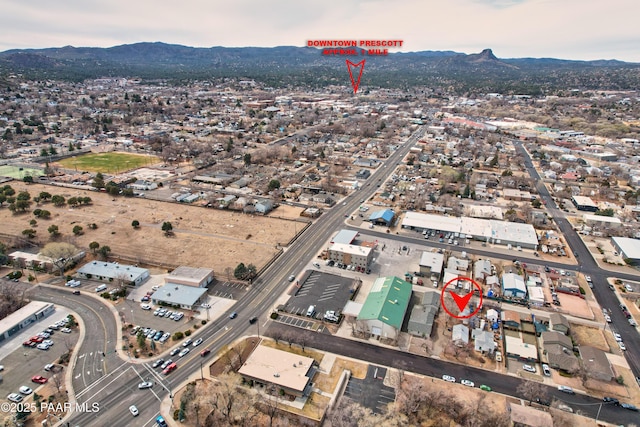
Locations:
(323, 290)
(229, 290)
(297, 322)
(371, 392)
(21, 363)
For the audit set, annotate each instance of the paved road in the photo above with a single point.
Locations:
(605, 297)
(436, 368)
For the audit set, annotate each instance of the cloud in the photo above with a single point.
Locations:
(572, 29)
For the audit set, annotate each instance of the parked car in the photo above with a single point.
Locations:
(65, 330)
(15, 397)
(611, 400)
(617, 337)
(49, 367)
(467, 383)
(529, 368)
(629, 406)
(622, 346)
(566, 389)
(25, 390)
(133, 410)
(485, 387)
(39, 379)
(145, 306)
(449, 378)
(546, 370)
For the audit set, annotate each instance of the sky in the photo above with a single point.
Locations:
(566, 29)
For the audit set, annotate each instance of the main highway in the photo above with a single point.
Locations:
(114, 387)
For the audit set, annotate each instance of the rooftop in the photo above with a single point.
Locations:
(278, 367)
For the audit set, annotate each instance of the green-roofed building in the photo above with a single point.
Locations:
(383, 311)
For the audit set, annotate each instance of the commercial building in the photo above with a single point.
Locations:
(100, 270)
(583, 203)
(384, 217)
(22, 318)
(351, 254)
(487, 230)
(627, 248)
(174, 295)
(190, 276)
(288, 372)
(384, 309)
(431, 264)
(513, 286)
(593, 220)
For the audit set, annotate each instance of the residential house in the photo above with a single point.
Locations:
(263, 206)
(483, 341)
(423, 315)
(528, 416)
(558, 349)
(460, 335)
(558, 323)
(596, 363)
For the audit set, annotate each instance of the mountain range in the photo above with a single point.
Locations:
(291, 66)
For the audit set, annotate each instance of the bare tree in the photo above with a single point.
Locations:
(61, 254)
(58, 381)
(532, 390)
(229, 403)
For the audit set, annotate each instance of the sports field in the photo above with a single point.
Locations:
(18, 172)
(110, 163)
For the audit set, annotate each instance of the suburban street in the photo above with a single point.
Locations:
(113, 382)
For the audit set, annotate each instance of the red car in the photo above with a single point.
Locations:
(39, 379)
(37, 339)
(204, 352)
(29, 343)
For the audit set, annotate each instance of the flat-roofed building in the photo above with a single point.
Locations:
(100, 270)
(174, 295)
(602, 221)
(351, 254)
(286, 371)
(190, 276)
(628, 248)
(23, 317)
(431, 263)
(583, 203)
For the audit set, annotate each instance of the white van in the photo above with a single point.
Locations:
(311, 310)
(101, 288)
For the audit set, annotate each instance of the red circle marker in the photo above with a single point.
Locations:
(461, 300)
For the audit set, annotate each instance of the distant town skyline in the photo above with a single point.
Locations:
(567, 29)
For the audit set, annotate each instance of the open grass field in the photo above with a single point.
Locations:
(110, 163)
(18, 172)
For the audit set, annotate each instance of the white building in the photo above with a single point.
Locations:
(351, 254)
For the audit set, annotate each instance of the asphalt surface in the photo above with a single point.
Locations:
(409, 362)
(113, 383)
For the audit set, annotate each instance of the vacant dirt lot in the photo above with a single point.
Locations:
(202, 237)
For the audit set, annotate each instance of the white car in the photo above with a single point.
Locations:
(529, 368)
(47, 342)
(197, 342)
(43, 346)
(205, 305)
(133, 410)
(25, 390)
(588, 278)
(65, 330)
(15, 397)
(1, 368)
(49, 367)
(449, 378)
(622, 346)
(155, 288)
(145, 306)
(617, 337)
(183, 352)
(467, 383)
(146, 384)
(186, 342)
(607, 318)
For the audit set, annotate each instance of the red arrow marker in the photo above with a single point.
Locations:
(461, 302)
(350, 66)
